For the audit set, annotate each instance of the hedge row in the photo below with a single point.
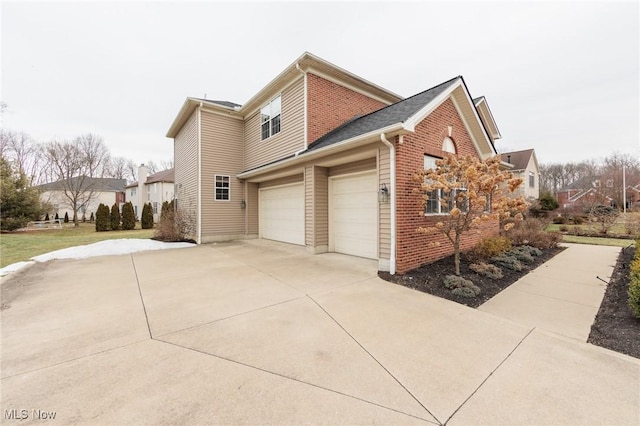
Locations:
(634, 283)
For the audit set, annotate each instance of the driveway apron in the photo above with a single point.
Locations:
(258, 332)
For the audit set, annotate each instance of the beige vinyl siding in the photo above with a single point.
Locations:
(185, 155)
(355, 167)
(384, 209)
(221, 155)
(288, 141)
(317, 207)
(252, 208)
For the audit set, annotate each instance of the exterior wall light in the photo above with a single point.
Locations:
(243, 204)
(383, 195)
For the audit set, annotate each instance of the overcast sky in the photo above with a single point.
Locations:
(560, 77)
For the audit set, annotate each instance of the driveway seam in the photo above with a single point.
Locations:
(376, 360)
(293, 379)
(490, 374)
(229, 317)
(144, 308)
(74, 359)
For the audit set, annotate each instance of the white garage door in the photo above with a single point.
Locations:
(282, 213)
(353, 215)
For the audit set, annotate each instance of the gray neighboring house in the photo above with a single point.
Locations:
(155, 189)
(525, 167)
(92, 192)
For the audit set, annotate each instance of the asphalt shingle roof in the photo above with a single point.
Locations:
(88, 183)
(392, 114)
(519, 159)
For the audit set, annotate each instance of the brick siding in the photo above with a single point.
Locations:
(329, 105)
(414, 249)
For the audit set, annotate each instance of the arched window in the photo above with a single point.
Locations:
(448, 145)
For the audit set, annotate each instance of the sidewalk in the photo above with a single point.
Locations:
(563, 295)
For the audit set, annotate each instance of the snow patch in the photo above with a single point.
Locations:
(101, 248)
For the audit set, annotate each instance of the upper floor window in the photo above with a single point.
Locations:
(222, 188)
(133, 192)
(270, 118)
(448, 145)
(532, 179)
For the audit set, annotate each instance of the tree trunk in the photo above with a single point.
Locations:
(456, 254)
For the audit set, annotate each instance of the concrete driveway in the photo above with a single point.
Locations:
(257, 332)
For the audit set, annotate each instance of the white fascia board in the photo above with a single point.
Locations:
(416, 118)
(331, 149)
(187, 107)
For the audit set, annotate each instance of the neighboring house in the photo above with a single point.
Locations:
(585, 192)
(91, 192)
(323, 158)
(525, 167)
(155, 189)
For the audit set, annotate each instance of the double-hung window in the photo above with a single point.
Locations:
(532, 179)
(441, 202)
(222, 188)
(270, 118)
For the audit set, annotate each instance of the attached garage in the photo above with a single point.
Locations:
(281, 213)
(353, 214)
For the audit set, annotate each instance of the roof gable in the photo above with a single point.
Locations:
(487, 117)
(519, 159)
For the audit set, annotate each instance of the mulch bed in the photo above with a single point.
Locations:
(428, 278)
(615, 326)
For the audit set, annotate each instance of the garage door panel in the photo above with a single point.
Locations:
(354, 215)
(282, 214)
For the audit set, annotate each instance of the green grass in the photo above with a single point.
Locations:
(599, 241)
(22, 246)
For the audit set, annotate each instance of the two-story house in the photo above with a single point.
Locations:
(88, 193)
(323, 158)
(525, 167)
(155, 189)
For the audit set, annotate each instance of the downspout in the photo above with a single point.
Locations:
(199, 211)
(392, 183)
(306, 145)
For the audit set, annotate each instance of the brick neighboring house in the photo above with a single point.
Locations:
(155, 189)
(585, 192)
(525, 167)
(93, 191)
(323, 158)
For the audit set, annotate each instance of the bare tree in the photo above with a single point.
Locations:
(166, 164)
(73, 165)
(121, 168)
(24, 153)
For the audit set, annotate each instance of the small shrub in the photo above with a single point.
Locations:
(634, 283)
(92, 218)
(57, 217)
(115, 217)
(578, 220)
(564, 228)
(128, 217)
(103, 222)
(66, 217)
(147, 216)
(487, 270)
(46, 217)
(632, 227)
(461, 286)
(559, 220)
(492, 246)
(531, 232)
(508, 261)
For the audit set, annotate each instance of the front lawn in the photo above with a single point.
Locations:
(21, 246)
(598, 241)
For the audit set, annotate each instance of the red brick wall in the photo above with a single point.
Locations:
(329, 105)
(412, 248)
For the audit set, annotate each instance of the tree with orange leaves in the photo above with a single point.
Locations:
(464, 192)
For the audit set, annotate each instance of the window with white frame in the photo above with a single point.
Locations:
(532, 179)
(155, 207)
(222, 188)
(441, 203)
(270, 118)
(133, 192)
(448, 145)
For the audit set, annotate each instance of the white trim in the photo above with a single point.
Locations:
(477, 117)
(268, 103)
(305, 118)
(199, 174)
(354, 142)
(392, 184)
(468, 128)
(215, 176)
